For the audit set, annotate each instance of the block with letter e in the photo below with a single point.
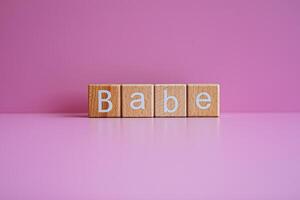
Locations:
(203, 100)
(104, 100)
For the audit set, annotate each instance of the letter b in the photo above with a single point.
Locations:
(166, 99)
(100, 101)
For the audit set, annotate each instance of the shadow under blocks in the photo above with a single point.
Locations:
(153, 100)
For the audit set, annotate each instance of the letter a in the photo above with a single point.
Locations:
(100, 101)
(141, 100)
(166, 98)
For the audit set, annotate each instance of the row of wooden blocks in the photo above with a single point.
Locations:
(159, 100)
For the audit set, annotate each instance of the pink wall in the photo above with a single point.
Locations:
(50, 50)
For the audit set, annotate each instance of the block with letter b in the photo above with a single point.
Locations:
(137, 100)
(104, 100)
(203, 100)
(170, 100)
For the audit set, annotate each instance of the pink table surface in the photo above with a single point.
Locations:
(69, 156)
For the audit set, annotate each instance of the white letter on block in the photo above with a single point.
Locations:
(166, 98)
(141, 100)
(206, 99)
(100, 100)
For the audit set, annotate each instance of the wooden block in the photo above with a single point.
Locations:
(203, 100)
(137, 100)
(170, 100)
(104, 100)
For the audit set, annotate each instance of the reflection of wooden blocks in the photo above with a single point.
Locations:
(203, 100)
(104, 100)
(170, 100)
(137, 100)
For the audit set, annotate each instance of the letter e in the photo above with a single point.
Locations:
(205, 98)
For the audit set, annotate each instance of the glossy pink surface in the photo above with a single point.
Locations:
(69, 156)
(51, 49)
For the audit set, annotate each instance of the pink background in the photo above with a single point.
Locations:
(51, 50)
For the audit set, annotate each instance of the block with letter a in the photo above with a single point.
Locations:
(203, 100)
(137, 100)
(104, 100)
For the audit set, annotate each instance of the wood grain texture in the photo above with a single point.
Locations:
(177, 90)
(200, 110)
(115, 91)
(148, 109)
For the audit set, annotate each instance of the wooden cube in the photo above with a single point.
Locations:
(137, 100)
(170, 100)
(104, 100)
(203, 100)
